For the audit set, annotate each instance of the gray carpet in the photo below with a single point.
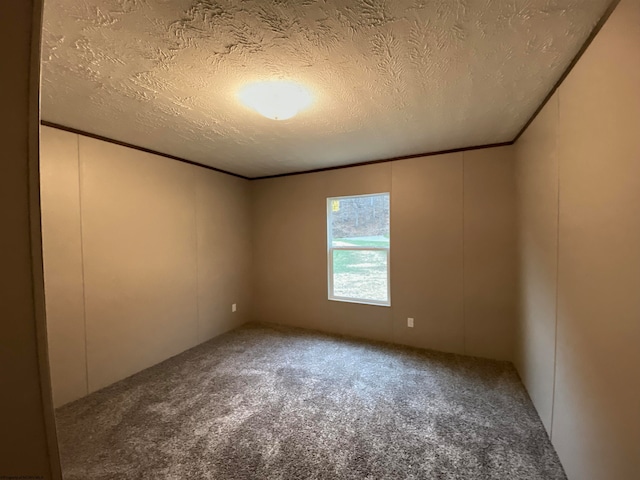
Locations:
(266, 402)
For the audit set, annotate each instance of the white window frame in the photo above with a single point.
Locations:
(331, 249)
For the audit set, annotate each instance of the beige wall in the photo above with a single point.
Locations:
(579, 189)
(490, 273)
(452, 256)
(60, 198)
(27, 430)
(143, 258)
(537, 175)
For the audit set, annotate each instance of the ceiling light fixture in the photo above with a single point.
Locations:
(278, 100)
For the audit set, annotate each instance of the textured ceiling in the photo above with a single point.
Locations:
(389, 77)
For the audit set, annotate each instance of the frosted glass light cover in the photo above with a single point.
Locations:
(278, 100)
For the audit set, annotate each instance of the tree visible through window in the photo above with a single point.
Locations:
(358, 248)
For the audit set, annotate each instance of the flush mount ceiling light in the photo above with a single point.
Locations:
(278, 100)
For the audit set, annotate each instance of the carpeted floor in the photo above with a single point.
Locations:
(266, 402)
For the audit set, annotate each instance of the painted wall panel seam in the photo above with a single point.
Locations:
(557, 253)
(197, 266)
(464, 306)
(84, 306)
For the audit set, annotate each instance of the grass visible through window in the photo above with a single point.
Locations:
(360, 274)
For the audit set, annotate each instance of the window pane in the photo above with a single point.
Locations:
(360, 221)
(360, 274)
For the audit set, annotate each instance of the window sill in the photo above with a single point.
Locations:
(360, 302)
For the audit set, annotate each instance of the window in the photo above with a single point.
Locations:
(358, 248)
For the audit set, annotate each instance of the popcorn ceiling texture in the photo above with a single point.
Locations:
(390, 77)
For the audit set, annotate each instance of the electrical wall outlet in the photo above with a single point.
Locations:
(233, 307)
(410, 322)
